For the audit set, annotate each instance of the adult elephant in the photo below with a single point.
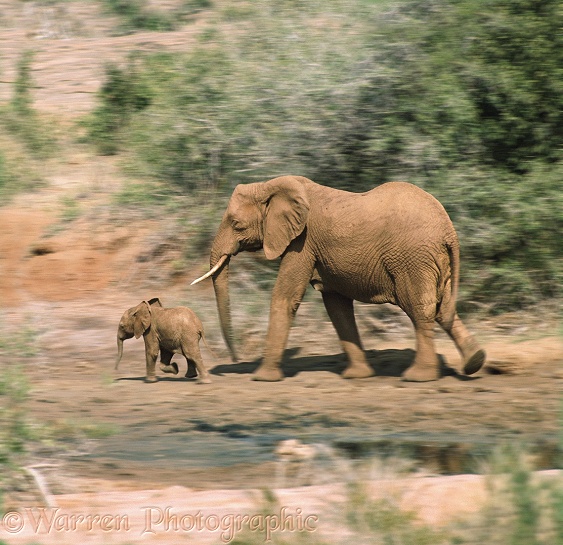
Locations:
(393, 244)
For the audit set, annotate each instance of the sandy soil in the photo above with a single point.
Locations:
(173, 442)
(167, 515)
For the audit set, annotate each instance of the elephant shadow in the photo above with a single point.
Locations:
(161, 378)
(385, 363)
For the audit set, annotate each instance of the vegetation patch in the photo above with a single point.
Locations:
(20, 118)
(139, 15)
(15, 428)
(354, 94)
(25, 137)
(521, 509)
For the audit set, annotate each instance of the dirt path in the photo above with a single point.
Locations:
(177, 432)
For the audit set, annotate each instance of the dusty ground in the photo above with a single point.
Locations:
(68, 283)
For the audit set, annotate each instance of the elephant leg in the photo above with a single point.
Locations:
(281, 317)
(165, 365)
(293, 279)
(416, 295)
(192, 369)
(340, 310)
(426, 365)
(473, 355)
(195, 362)
(151, 355)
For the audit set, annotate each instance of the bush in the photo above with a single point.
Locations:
(20, 118)
(189, 136)
(382, 521)
(521, 509)
(3, 173)
(137, 15)
(14, 426)
(25, 138)
(464, 101)
(122, 94)
(247, 105)
(467, 103)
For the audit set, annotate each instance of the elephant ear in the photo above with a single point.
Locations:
(141, 319)
(287, 210)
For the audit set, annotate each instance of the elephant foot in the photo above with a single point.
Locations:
(358, 371)
(151, 379)
(171, 368)
(421, 373)
(475, 362)
(268, 374)
(205, 380)
(192, 371)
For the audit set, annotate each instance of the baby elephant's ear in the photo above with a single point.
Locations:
(141, 319)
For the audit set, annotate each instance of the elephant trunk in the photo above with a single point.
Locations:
(221, 286)
(119, 351)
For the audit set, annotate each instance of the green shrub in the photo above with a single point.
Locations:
(20, 118)
(190, 7)
(14, 426)
(137, 15)
(189, 136)
(464, 101)
(18, 170)
(245, 105)
(3, 173)
(122, 94)
(521, 509)
(467, 103)
(382, 521)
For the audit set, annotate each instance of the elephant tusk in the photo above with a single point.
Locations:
(217, 266)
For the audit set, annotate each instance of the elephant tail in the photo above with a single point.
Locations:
(202, 336)
(447, 309)
(453, 250)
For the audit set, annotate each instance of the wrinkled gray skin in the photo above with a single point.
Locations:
(168, 330)
(393, 244)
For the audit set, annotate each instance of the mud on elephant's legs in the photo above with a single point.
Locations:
(340, 310)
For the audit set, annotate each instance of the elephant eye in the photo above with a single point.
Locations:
(238, 226)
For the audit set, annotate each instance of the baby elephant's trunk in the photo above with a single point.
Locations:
(119, 351)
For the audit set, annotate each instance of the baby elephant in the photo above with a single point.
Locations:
(168, 330)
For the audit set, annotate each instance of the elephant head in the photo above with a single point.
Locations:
(266, 215)
(134, 322)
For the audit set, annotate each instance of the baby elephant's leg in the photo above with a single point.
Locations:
(165, 365)
(193, 356)
(192, 369)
